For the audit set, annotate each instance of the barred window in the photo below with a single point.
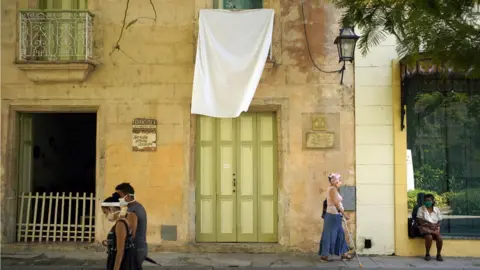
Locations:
(443, 133)
(52, 30)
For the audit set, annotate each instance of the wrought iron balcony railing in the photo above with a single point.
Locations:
(55, 35)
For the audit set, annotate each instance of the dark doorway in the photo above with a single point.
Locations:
(64, 152)
(57, 161)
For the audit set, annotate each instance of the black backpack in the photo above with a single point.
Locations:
(324, 208)
(413, 231)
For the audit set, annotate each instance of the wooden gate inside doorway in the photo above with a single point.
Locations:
(56, 217)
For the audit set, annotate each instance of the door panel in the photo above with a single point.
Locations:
(267, 195)
(266, 169)
(239, 204)
(26, 154)
(207, 228)
(25, 165)
(226, 197)
(226, 218)
(227, 221)
(206, 175)
(246, 127)
(246, 177)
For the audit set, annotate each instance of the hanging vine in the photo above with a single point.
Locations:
(125, 26)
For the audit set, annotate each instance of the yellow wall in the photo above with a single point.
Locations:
(157, 83)
(374, 148)
(405, 246)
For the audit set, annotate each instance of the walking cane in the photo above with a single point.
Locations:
(352, 242)
(152, 261)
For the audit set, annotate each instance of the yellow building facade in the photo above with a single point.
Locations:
(73, 80)
(149, 76)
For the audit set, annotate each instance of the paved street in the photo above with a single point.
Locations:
(95, 260)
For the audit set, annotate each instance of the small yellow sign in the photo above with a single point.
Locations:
(319, 123)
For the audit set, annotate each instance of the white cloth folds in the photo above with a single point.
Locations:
(232, 50)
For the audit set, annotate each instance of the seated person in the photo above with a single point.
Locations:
(429, 218)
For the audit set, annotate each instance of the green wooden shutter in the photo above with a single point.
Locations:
(247, 202)
(267, 175)
(206, 175)
(226, 188)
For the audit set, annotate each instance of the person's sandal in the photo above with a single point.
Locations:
(428, 258)
(325, 259)
(439, 258)
(347, 257)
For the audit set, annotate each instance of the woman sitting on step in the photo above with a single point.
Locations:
(429, 218)
(122, 254)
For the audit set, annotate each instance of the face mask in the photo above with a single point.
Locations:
(428, 204)
(111, 216)
(123, 202)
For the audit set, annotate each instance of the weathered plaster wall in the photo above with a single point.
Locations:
(158, 84)
(374, 148)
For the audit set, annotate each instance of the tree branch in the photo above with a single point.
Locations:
(116, 46)
(154, 11)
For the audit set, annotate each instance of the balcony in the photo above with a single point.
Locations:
(56, 45)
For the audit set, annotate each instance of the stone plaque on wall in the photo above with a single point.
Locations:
(321, 131)
(319, 140)
(319, 122)
(144, 135)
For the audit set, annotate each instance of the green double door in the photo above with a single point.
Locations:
(236, 184)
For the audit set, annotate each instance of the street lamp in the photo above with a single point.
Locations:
(346, 42)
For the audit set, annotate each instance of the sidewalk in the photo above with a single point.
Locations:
(96, 260)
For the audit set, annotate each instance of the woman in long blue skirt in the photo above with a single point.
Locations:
(333, 240)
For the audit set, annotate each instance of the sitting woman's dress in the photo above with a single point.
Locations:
(428, 222)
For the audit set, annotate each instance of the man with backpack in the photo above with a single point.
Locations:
(127, 198)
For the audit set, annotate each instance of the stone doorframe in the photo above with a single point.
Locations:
(9, 153)
(281, 107)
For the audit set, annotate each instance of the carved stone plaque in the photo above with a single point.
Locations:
(319, 123)
(319, 140)
(144, 135)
